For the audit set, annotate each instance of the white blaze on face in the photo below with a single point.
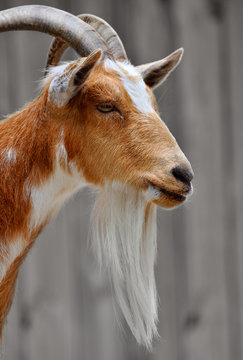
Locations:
(124, 239)
(133, 83)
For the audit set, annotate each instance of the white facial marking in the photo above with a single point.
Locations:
(9, 253)
(135, 85)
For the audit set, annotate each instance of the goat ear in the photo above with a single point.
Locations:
(155, 73)
(69, 80)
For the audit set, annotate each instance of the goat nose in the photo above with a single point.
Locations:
(182, 174)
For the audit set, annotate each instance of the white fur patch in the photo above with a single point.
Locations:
(151, 193)
(52, 72)
(124, 239)
(9, 253)
(51, 194)
(136, 87)
(61, 152)
(9, 155)
(60, 90)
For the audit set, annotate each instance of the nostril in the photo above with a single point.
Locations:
(182, 174)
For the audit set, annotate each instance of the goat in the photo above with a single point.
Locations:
(94, 123)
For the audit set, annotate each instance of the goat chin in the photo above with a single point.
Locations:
(124, 240)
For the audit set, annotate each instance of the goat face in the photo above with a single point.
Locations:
(119, 136)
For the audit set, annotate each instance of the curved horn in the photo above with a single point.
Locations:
(107, 33)
(77, 34)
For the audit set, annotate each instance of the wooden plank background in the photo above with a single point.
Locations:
(63, 306)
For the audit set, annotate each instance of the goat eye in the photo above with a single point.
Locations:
(106, 108)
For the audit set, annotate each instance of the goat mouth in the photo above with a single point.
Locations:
(169, 194)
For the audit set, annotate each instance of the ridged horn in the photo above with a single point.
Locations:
(107, 33)
(76, 33)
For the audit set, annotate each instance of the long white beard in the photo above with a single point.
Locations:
(124, 235)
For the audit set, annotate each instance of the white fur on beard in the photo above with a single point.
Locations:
(124, 236)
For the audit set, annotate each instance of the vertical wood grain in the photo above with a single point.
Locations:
(234, 13)
(206, 327)
(63, 308)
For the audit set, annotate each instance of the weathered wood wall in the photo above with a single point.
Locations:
(63, 307)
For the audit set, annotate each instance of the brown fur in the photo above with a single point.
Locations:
(123, 145)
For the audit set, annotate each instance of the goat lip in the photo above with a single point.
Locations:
(171, 194)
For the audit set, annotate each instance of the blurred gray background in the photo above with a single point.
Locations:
(63, 306)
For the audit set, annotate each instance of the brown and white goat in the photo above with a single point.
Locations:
(95, 123)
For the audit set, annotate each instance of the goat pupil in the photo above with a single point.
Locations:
(105, 108)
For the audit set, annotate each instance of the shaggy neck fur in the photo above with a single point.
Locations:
(36, 177)
(124, 235)
(37, 174)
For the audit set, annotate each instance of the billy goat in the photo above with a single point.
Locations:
(95, 123)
